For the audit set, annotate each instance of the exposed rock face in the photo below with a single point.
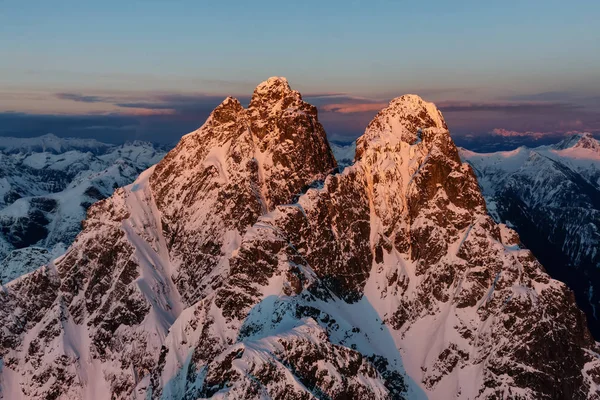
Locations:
(242, 163)
(551, 196)
(211, 276)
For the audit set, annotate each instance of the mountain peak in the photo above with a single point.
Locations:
(275, 85)
(405, 119)
(227, 110)
(242, 254)
(413, 105)
(230, 102)
(240, 164)
(274, 93)
(587, 141)
(272, 82)
(580, 141)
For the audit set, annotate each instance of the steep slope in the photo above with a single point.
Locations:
(233, 270)
(111, 299)
(47, 193)
(551, 196)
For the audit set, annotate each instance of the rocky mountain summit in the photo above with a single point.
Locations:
(551, 196)
(243, 265)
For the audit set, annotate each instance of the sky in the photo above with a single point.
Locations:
(506, 72)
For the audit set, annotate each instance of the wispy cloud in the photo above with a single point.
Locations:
(506, 107)
(164, 115)
(349, 108)
(82, 98)
(509, 133)
(543, 96)
(151, 103)
(149, 111)
(350, 105)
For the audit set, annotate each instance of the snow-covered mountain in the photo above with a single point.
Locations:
(51, 144)
(244, 266)
(343, 153)
(551, 196)
(46, 186)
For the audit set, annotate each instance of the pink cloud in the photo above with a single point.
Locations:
(509, 133)
(146, 112)
(528, 107)
(576, 123)
(533, 135)
(351, 108)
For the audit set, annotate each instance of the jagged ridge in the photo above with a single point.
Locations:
(388, 280)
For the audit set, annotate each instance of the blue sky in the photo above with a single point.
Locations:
(481, 54)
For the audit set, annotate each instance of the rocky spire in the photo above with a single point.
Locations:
(404, 231)
(405, 119)
(238, 165)
(163, 243)
(292, 145)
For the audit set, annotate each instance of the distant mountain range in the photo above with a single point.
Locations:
(46, 185)
(344, 153)
(52, 144)
(551, 196)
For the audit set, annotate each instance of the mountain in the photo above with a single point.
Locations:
(46, 186)
(51, 144)
(344, 153)
(551, 196)
(243, 265)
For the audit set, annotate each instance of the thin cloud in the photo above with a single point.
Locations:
(318, 95)
(430, 93)
(137, 80)
(350, 108)
(543, 96)
(152, 103)
(349, 105)
(148, 112)
(179, 102)
(164, 116)
(83, 98)
(158, 127)
(507, 107)
(509, 133)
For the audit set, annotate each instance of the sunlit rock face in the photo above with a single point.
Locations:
(244, 266)
(240, 164)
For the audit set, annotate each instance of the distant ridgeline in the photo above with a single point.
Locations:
(551, 196)
(46, 185)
